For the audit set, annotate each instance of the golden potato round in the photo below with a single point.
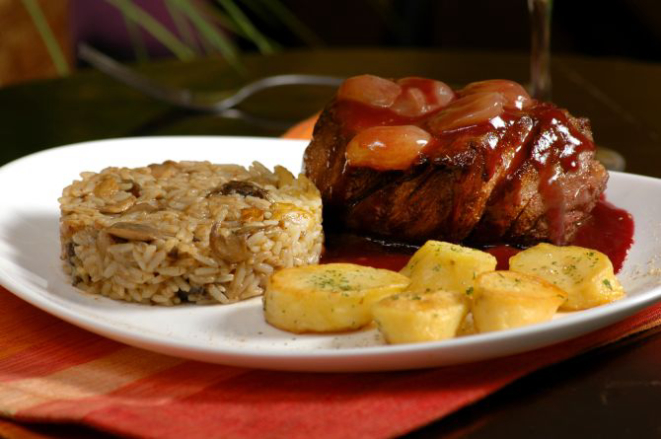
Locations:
(327, 297)
(417, 317)
(442, 265)
(585, 274)
(506, 299)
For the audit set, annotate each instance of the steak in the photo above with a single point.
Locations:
(483, 165)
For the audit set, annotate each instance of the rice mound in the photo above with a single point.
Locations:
(187, 231)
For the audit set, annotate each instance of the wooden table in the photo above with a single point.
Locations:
(610, 392)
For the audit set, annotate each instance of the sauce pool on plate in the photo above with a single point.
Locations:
(609, 230)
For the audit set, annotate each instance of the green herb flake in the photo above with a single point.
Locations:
(607, 283)
(331, 280)
(469, 290)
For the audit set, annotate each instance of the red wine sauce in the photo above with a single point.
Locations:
(609, 230)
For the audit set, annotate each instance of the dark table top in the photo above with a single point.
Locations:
(609, 392)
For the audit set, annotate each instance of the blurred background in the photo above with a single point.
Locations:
(39, 37)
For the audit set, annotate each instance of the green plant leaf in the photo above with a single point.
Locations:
(137, 41)
(215, 36)
(47, 36)
(251, 32)
(220, 18)
(183, 26)
(156, 29)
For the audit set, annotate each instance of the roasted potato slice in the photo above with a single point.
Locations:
(417, 317)
(586, 275)
(328, 297)
(444, 266)
(506, 299)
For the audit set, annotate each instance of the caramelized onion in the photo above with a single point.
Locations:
(387, 148)
(369, 90)
(514, 94)
(470, 110)
(421, 96)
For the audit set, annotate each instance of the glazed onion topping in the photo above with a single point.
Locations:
(408, 97)
(469, 110)
(369, 90)
(387, 147)
(420, 96)
(516, 97)
(377, 110)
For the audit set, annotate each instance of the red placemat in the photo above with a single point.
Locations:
(51, 371)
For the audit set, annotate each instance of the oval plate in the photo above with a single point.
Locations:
(237, 334)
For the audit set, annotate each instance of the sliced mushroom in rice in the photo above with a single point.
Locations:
(106, 188)
(185, 296)
(134, 231)
(240, 187)
(119, 207)
(135, 188)
(141, 207)
(229, 245)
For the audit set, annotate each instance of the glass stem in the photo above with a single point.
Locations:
(540, 50)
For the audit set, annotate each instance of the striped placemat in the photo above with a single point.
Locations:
(51, 371)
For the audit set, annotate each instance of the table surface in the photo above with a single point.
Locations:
(609, 392)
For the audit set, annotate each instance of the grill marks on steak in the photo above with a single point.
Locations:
(482, 184)
(447, 196)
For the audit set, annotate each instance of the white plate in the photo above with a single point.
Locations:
(237, 334)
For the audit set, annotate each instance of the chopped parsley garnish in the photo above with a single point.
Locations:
(331, 280)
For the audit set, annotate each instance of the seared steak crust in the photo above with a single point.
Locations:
(483, 185)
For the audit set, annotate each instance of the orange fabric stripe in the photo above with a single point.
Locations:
(86, 380)
(16, 335)
(33, 343)
(51, 355)
(156, 390)
(302, 130)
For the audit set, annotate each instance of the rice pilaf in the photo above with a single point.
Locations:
(187, 231)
